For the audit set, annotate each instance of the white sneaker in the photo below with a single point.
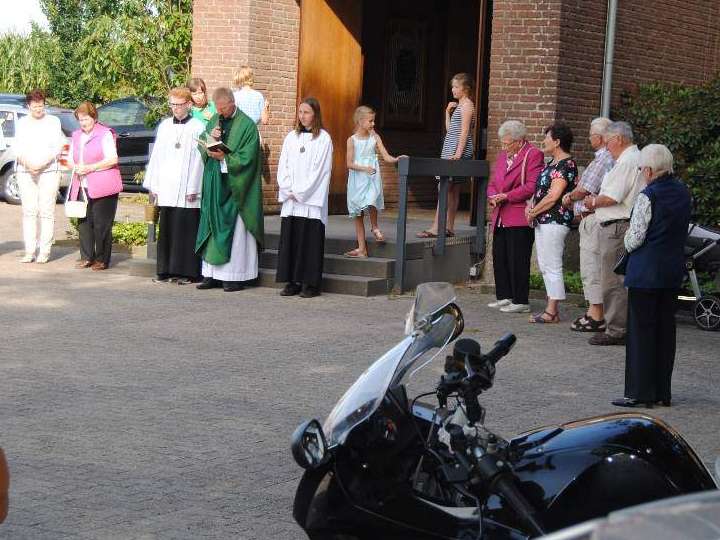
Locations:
(500, 303)
(516, 308)
(42, 259)
(27, 259)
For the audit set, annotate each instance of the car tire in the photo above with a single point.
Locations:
(9, 188)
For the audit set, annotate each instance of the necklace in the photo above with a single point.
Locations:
(302, 148)
(179, 137)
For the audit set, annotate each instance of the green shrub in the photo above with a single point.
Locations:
(573, 282)
(686, 119)
(133, 233)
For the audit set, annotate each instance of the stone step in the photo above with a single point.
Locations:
(340, 245)
(375, 267)
(333, 283)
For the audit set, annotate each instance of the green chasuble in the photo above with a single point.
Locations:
(224, 196)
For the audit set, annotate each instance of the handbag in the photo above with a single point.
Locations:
(621, 266)
(78, 208)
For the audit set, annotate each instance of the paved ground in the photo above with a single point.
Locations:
(131, 410)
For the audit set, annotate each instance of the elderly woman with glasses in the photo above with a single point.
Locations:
(655, 244)
(516, 171)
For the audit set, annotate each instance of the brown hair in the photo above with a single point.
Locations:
(198, 84)
(361, 112)
(317, 124)
(244, 77)
(465, 80)
(86, 108)
(181, 92)
(35, 95)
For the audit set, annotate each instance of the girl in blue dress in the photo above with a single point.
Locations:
(365, 188)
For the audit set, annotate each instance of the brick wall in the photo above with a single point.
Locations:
(265, 34)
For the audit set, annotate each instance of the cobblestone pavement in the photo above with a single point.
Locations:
(132, 410)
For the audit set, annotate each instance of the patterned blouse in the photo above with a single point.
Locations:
(567, 169)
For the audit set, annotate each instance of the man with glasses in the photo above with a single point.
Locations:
(590, 181)
(612, 207)
(174, 179)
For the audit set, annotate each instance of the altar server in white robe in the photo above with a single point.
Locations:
(174, 177)
(304, 173)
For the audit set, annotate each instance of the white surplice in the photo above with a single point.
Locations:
(174, 173)
(304, 170)
(243, 263)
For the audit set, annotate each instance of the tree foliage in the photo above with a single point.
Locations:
(686, 119)
(101, 50)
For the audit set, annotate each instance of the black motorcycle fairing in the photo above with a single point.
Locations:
(588, 468)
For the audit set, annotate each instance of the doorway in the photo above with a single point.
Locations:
(398, 57)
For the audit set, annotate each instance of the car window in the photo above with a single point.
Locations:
(8, 123)
(68, 122)
(126, 113)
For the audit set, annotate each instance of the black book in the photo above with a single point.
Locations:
(216, 146)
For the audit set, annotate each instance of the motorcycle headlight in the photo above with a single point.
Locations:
(309, 446)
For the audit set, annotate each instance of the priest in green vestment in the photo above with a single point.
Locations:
(230, 235)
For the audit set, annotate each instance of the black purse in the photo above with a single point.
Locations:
(621, 266)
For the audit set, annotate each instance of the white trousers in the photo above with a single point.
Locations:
(38, 194)
(550, 244)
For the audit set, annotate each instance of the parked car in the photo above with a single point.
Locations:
(13, 99)
(127, 117)
(9, 115)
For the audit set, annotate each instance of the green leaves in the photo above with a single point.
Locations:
(100, 50)
(686, 119)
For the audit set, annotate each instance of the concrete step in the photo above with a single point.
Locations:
(375, 267)
(340, 245)
(333, 283)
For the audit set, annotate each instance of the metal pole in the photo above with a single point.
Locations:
(481, 185)
(442, 215)
(400, 240)
(609, 57)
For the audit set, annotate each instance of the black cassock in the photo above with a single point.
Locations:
(176, 255)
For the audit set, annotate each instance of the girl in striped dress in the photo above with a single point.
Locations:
(458, 144)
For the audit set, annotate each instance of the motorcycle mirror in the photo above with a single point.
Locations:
(309, 445)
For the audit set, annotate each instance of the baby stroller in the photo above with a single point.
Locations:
(702, 252)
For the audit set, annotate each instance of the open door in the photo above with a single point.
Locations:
(330, 68)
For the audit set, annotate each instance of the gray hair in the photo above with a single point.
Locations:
(600, 125)
(223, 93)
(515, 128)
(657, 157)
(623, 129)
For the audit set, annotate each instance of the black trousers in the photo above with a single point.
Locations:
(301, 251)
(96, 229)
(650, 343)
(512, 247)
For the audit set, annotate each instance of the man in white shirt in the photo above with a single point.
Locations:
(174, 177)
(612, 207)
(38, 142)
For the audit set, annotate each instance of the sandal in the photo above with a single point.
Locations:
(587, 324)
(426, 234)
(449, 233)
(379, 236)
(539, 319)
(355, 254)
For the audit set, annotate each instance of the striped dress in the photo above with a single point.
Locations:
(453, 135)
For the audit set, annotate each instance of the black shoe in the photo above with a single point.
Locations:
(308, 291)
(161, 279)
(606, 339)
(290, 289)
(208, 283)
(664, 402)
(185, 281)
(630, 402)
(232, 286)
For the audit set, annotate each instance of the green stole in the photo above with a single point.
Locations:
(224, 196)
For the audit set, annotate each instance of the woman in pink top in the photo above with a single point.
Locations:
(516, 171)
(93, 154)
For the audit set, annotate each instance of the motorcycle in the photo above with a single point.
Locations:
(388, 466)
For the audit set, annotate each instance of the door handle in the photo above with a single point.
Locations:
(124, 135)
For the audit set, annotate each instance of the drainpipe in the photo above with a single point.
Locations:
(608, 62)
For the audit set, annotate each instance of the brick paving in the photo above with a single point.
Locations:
(131, 410)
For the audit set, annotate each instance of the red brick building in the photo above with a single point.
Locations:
(535, 60)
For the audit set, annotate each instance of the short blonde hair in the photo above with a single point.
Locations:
(181, 92)
(244, 77)
(361, 112)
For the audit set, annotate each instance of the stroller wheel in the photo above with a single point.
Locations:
(707, 312)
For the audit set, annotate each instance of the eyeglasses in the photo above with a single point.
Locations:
(171, 104)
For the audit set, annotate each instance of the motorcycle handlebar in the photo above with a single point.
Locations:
(501, 348)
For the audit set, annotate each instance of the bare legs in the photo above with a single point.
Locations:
(362, 250)
(453, 201)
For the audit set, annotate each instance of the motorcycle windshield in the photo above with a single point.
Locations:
(364, 397)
